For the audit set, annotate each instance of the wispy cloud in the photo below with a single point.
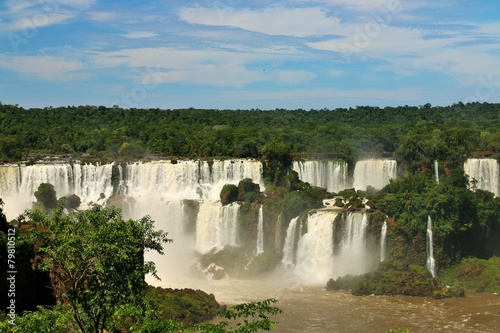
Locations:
(254, 52)
(299, 22)
(26, 15)
(139, 34)
(47, 68)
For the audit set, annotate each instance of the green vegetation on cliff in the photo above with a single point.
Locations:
(475, 275)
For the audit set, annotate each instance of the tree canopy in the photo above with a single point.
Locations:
(416, 133)
(95, 259)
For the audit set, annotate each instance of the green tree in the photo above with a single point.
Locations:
(95, 258)
(45, 196)
(277, 161)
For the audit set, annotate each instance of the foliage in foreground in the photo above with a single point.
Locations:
(96, 263)
(247, 318)
(243, 318)
(95, 259)
(185, 305)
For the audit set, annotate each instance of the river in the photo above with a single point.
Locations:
(312, 309)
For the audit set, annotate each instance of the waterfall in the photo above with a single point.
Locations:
(19, 183)
(331, 175)
(289, 247)
(314, 259)
(431, 263)
(189, 179)
(436, 170)
(383, 242)
(485, 172)
(327, 250)
(260, 233)
(352, 255)
(374, 172)
(278, 232)
(216, 226)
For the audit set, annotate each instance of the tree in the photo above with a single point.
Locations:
(229, 194)
(45, 196)
(95, 259)
(277, 161)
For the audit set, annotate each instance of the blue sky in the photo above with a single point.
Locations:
(243, 54)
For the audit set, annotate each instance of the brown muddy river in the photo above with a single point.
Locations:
(314, 310)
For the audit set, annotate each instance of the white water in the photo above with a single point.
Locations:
(277, 235)
(289, 247)
(259, 249)
(431, 262)
(19, 183)
(188, 179)
(383, 242)
(216, 226)
(486, 172)
(374, 172)
(436, 171)
(353, 255)
(312, 259)
(331, 175)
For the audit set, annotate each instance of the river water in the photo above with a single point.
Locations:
(312, 309)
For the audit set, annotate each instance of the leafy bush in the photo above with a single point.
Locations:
(475, 275)
(391, 278)
(228, 194)
(248, 191)
(45, 196)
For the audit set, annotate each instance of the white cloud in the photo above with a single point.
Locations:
(372, 6)
(80, 4)
(39, 20)
(28, 14)
(48, 68)
(139, 34)
(411, 51)
(329, 94)
(210, 67)
(102, 16)
(299, 22)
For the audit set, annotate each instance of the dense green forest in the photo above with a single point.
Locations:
(407, 132)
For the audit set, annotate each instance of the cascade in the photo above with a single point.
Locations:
(216, 226)
(431, 263)
(260, 233)
(314, 258)
(18, 183)
(331, 175)
(188, 179)
(374, 172)
(486, 172)
(436, 170)
(289, 247)
(327, 250)
(352, 254)
(168, 216)
(383, 242)
(278, 232)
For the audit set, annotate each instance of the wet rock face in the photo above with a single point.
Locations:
(216, 272)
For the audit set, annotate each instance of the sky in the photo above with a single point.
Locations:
(242, 54)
